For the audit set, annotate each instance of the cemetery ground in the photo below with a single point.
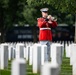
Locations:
(66, 69)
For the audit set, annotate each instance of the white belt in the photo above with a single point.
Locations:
(45, 28)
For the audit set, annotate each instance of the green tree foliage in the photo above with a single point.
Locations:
(63, 9)
(29, 15)
(27, 11)
(10, 14)
(66, 9)
(63, 5)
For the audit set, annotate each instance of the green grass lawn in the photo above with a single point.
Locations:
(66, 69)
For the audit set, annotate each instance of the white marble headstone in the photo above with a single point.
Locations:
(44, 55)
(73, 54)
(56, 53)
(18, 67)
(50, 69)
(19, 50)
(36, 58)
(27, 52)
(68, 50)
(30, 55)
(3, 56)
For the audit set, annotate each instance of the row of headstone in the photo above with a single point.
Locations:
(53, 67)
(8, 52)
(12, 50)
(36, 54)
(17, 50)
(50, 66)
(17, 53)
(36, 67)
(70, 49)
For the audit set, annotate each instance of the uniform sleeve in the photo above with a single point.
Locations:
(42, 23)
(53, 24)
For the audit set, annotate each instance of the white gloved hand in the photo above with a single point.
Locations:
(51, 18)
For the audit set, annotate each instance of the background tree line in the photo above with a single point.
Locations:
(23, 12)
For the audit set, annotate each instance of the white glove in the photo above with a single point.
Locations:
(51, 18)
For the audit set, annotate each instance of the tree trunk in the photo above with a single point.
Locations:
(75, 30)
(2, 37)
(2, 24)
(35, 34)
